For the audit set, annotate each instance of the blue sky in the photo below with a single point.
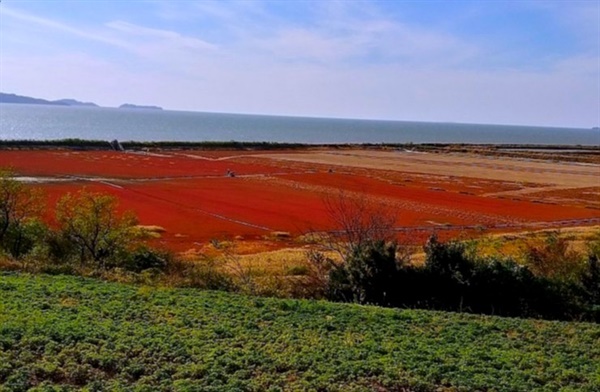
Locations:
(502, 62)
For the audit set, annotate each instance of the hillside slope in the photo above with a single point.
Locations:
(81, 333)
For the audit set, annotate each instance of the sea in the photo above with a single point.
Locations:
(45, 122)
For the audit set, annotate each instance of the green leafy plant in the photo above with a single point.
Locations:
(85, 334)
(20, 210)
(90, 222)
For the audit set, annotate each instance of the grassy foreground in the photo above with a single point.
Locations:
(68, 333)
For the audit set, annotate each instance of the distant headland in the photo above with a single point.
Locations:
(21, 99)
(13, 98)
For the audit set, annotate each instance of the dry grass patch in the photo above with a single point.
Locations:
(514, 245)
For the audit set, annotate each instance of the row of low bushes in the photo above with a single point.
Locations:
(553, 284)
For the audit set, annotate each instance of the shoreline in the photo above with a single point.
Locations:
(233, 144)
(547, 152)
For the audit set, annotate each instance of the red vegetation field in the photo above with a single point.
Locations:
(128, 165)
(192, 198)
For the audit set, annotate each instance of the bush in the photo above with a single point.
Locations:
(591, 280)
(452, 279)
(91, 224)
(20, 210)
(450, 273)
(19, 240)
(367, 274)
(144, 258)
(553, 259)
(59, 249)
(204, 274)
(501, 287)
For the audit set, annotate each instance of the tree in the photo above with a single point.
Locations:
(358, 221)
(364, 238)
(91, 223)
(20, 209)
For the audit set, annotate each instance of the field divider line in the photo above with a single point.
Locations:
(218, 159)
(248, 224)
(531, 225)
(212, 214)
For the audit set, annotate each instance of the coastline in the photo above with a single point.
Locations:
(565, 153)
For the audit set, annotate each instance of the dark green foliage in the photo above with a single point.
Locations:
(450, 273)
(90, 224)
(501, 287)
(144, 258)
(366, 275)
(553, 259)
(20, 209)
(71, 143)
(68, 333)
(59, 250)
(202, 274)
(457, 281)
(453, 280)
(591, 279)
(75, 143)
(21, 239)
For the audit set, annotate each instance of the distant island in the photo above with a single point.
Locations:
(132, 106)
(21, 99)
(74, 102)
(13, 98)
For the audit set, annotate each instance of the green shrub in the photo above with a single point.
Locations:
(91, 224)
(591, 280)
(297, 270)
(20, 210)
(553, 259)
(366, 275)
(205, 274)
(144, 258)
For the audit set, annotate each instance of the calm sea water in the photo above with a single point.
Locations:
(39, 122)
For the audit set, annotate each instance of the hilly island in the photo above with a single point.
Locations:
(21, 99)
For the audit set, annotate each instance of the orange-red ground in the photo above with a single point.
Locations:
(190, 196)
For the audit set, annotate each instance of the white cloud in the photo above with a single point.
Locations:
(62, 27)
(340, 63)
(162, 36)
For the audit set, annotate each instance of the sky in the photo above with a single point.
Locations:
(489, 62)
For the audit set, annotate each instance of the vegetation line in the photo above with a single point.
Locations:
(264, 145)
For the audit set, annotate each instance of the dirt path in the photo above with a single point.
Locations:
(564, 175)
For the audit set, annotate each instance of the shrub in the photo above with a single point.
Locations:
(205, 274)
(20, 209)
(59, 249)
(553, 259)
(91, 224)
(367, 274)
(19, 240)
(591, 280)
(449, 272)
(145, 258)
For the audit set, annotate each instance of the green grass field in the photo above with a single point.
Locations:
(68, 333)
